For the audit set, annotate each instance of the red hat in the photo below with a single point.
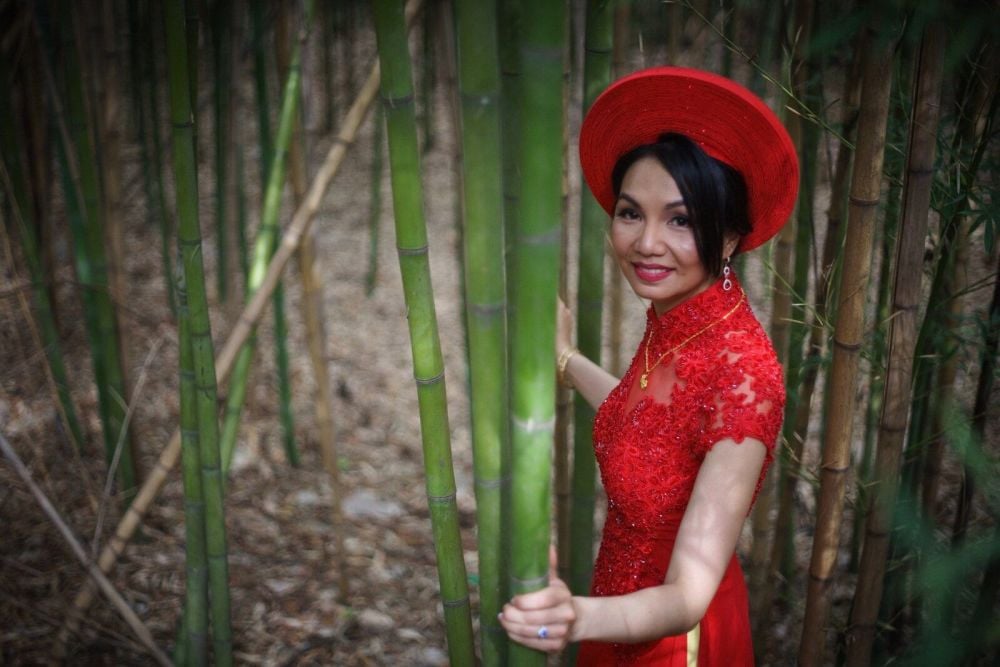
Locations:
(728, 121)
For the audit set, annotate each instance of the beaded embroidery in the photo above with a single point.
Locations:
(650, 444)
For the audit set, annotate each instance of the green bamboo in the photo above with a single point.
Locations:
(194, 624)
(590, 298)
(82, 187)
(189, 240)
(375, 206)
(485, 284)
(411, 238)
(15, 184)
(242, 245)
(267, 239)
(222, 16)
(533, 298)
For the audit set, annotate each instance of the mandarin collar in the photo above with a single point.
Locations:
(692, 315)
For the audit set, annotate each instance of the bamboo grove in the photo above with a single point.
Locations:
(163, 163)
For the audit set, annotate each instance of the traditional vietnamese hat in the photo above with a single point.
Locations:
(725, 119)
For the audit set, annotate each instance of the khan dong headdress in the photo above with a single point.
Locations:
(729, 122)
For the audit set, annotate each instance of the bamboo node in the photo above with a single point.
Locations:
(531, 583)
(397, 101)
(411, 252)
(850, 347)
(446, 499)
(452, 604)
(535, 425)
(858, 201)
(431, 380)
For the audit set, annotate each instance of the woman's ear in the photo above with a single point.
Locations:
(729, 245)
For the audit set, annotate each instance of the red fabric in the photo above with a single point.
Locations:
(724, 383)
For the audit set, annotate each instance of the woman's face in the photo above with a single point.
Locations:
(653, 240)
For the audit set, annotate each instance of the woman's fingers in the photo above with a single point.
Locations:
(551, 637)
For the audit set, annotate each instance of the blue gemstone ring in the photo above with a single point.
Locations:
(543, 632)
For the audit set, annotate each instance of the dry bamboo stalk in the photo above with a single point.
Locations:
(245, 324)
(902, 344)
(848, 337)
(140, 630)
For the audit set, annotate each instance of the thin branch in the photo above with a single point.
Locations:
(129, 410)
(140, 630)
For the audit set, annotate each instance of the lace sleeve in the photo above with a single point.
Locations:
(749, 396)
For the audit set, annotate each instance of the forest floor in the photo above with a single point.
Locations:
(282, 553)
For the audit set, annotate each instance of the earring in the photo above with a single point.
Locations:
(727, 271)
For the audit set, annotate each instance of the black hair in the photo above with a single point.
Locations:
(715, 194)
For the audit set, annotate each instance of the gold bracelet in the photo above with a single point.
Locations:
(561, 365)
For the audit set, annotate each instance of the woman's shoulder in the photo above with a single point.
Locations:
(746, 350)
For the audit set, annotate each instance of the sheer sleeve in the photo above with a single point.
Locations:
(749, 398)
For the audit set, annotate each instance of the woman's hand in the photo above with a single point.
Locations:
(542, 619)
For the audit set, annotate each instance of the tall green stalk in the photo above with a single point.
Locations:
(590, 298)
(375, 206)
(82, 188)
(428, 365)
(267, 239)
(14, 182)
(189, 240)
(485, 289)
(222, 64)
(195, 617)
(535, 279)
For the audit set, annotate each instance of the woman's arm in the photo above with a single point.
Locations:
(593, 382)
(705, 543)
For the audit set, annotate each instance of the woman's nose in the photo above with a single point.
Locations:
(649, 241)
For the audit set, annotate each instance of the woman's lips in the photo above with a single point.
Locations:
(651, 273)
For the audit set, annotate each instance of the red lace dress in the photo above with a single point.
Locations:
(723, 383)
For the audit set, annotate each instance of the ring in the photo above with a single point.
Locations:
(543, 632)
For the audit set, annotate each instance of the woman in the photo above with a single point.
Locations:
(692, 168)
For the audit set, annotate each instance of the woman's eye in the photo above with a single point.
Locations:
(627, 213)
(680, 221)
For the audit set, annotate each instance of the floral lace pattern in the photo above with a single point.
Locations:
(724, 383)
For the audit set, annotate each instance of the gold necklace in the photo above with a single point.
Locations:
(644, 378)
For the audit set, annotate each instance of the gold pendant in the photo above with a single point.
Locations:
(643, 380)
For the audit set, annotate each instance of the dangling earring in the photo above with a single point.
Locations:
(727, 271)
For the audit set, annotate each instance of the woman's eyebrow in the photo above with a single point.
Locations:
(677, 203)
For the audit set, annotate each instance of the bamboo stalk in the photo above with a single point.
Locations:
(486, 301)
(428, 365)
(598, 41)
(83, 196)
(312, 310)
(876, 83)
(242, 330)
(189, 242)
(23, 209)
(221, 20)
(534, 279)
(140, 630)
(268, 235)
(902, 343)
(195, 615)
(375, 206)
